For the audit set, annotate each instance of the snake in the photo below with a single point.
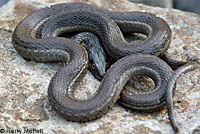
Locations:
(38, 37)
(189, 66)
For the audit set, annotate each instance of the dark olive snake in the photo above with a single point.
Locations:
(38, 38)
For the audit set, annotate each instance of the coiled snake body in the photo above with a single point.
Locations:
(36, 38)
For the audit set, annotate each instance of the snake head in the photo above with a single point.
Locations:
(96, 54)
(97, 63)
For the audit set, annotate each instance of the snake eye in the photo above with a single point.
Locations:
(93, 67)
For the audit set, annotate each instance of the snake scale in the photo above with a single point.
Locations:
(38, 38)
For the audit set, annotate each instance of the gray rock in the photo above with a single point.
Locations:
(2, 2)
(185, 5)
(188, 5)
(156, 3)
(23, 85)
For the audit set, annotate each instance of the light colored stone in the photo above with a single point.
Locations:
(23, 85)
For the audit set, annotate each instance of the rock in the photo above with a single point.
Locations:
(185, 5)
(2, 2)
(23, 85)
(155, 3)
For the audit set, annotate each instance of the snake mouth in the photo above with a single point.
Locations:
(97, 71)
